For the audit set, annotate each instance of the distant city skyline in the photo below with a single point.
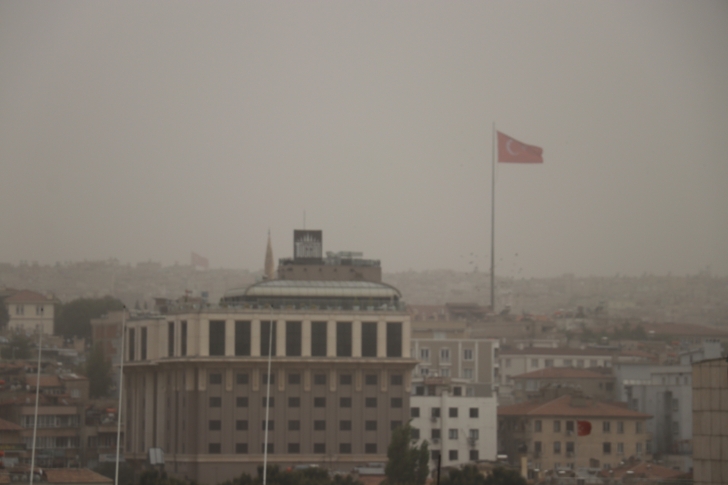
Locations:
(145, 131)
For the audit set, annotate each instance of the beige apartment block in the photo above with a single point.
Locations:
(710, 422)
(30, 310)
(547, 433)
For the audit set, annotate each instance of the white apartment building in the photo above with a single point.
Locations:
(30, 310)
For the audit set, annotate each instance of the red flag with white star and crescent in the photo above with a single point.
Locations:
(511, 150)
(583, 428)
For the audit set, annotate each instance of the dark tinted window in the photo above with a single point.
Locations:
(266, 339)
(318, 339)
(369, 339)
(242, 338)
(343, 339)
(394, 339)
(217, 337)
(293, 338)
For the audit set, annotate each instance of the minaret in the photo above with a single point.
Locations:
(269, 269)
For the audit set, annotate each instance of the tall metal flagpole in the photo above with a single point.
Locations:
(37, 396)
(121, 390)
(267, 398)
(492, 228)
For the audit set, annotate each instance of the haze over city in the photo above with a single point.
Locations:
(144, 131)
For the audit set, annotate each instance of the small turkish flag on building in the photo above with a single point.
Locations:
(511, 150)
(583, 428)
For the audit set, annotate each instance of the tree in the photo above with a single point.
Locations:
(18, 348)
(407, 464)
(98, 371)
(4, 314)
(74, 317)
(108, 469)
(504, 476)
(467, 475)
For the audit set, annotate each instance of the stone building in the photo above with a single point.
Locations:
(710, 422)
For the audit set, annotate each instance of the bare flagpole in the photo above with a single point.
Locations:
(267, 398)
(121, 390)
(37, 396)
(492, 228)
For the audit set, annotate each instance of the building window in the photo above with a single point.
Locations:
(217, 337)
(415, 412)
(241, 401)
(319, 425)
(369, 339)
(242, 340)
(344, 402)
(318, 339)
(569, 427)
(395, 424)
(343, 339)
(215, 402)
(293, 339)
(268, 341)
(606, 426)
(474, 456)
(592, 362)
(294, 448)
(452, 434)
(214, 425)
(294, 425)
(19, 309)
(473, 434)
(319, 402)
(620, 448)
(468, 354)
(425, 354)
(345, 448)
(266, 403)
(638, 448)
(396, 402)
(415, 433)
(534, 363)
(548, 362)
(394, 339)
(214, 448)
(345, 425)
(170, 339)
(370, 402)
(557, 426)
(241, 448)
(269, 378)
(473, 412)
(444, 355)
(294, 402)
(215, 378)
(607, 448)
(557, 447)
(370, 448)
(319, 379)
(620, 427)
(675, 405)
(435, 434)
(183, 338)
(319, 448)
(638, 427)
(537, 447)
(370, 425)
(270, 448)
(131, 344)
(241, 425)
(568, 363)
(345, 380)
(435, 412)
(294, 379)
(467, 373)
(144, 344)
(579, 363)
(445, 372)
(424, 371)
(370, 379)
(271, 425)
(396, 379)
(537, 426)
(570, 447)
(452, 412)
(453, 455)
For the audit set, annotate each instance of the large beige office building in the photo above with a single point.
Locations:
(196, 383)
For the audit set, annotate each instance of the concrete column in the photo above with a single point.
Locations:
(148, 409)
(255, 338)
(381, 338)
(331, 338)
(406, 337)
(281, 337)
(356, 338)
(306, 338)
(229, 337)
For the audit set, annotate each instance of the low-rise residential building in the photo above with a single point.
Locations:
(459, 428)
(570, 432)
(30, 310)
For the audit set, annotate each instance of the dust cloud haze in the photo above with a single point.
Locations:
(144, 131)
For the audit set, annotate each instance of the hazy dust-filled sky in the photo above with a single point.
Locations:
(147, 130)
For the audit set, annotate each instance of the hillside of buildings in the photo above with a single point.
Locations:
(698, 299)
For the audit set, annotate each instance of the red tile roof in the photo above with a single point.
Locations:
(74, 475)
(562, 373)
(563, 406)
(28, 296)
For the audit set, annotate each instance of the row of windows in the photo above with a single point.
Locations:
(318, 425)
(432, 391)
(571, 447)
(294, 378)
(452, 455)
(570, 426)
(294, 342)
(451, 412)
(579, 363)
(444, 354)
(452, 434)
(467, 373)
(20, 309)
(295, 402)
(318, 448)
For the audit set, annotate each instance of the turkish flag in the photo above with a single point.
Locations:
(583, 428)
(511, 150)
